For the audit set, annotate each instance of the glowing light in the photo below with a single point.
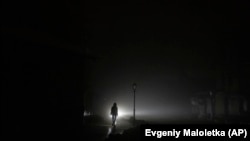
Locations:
(121, 113)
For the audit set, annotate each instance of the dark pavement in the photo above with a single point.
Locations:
(99, 130)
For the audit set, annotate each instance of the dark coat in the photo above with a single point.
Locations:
(114, 110)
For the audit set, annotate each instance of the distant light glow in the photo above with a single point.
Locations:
(121, 113)
(86, 113)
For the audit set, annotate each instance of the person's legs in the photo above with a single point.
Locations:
(113, 119)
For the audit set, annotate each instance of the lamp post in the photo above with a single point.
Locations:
(134, 88)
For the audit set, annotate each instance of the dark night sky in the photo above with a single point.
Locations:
(171, 50)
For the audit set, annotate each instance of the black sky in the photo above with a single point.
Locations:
(63, 50)
(172, 49)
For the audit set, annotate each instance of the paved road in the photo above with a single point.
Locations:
(100, 131)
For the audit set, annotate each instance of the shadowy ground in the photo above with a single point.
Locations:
(131, 134)
(99, 129)
(134, 133)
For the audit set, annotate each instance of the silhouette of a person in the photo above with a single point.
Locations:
(114, 113)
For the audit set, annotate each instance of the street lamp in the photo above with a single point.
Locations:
(134, 88)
